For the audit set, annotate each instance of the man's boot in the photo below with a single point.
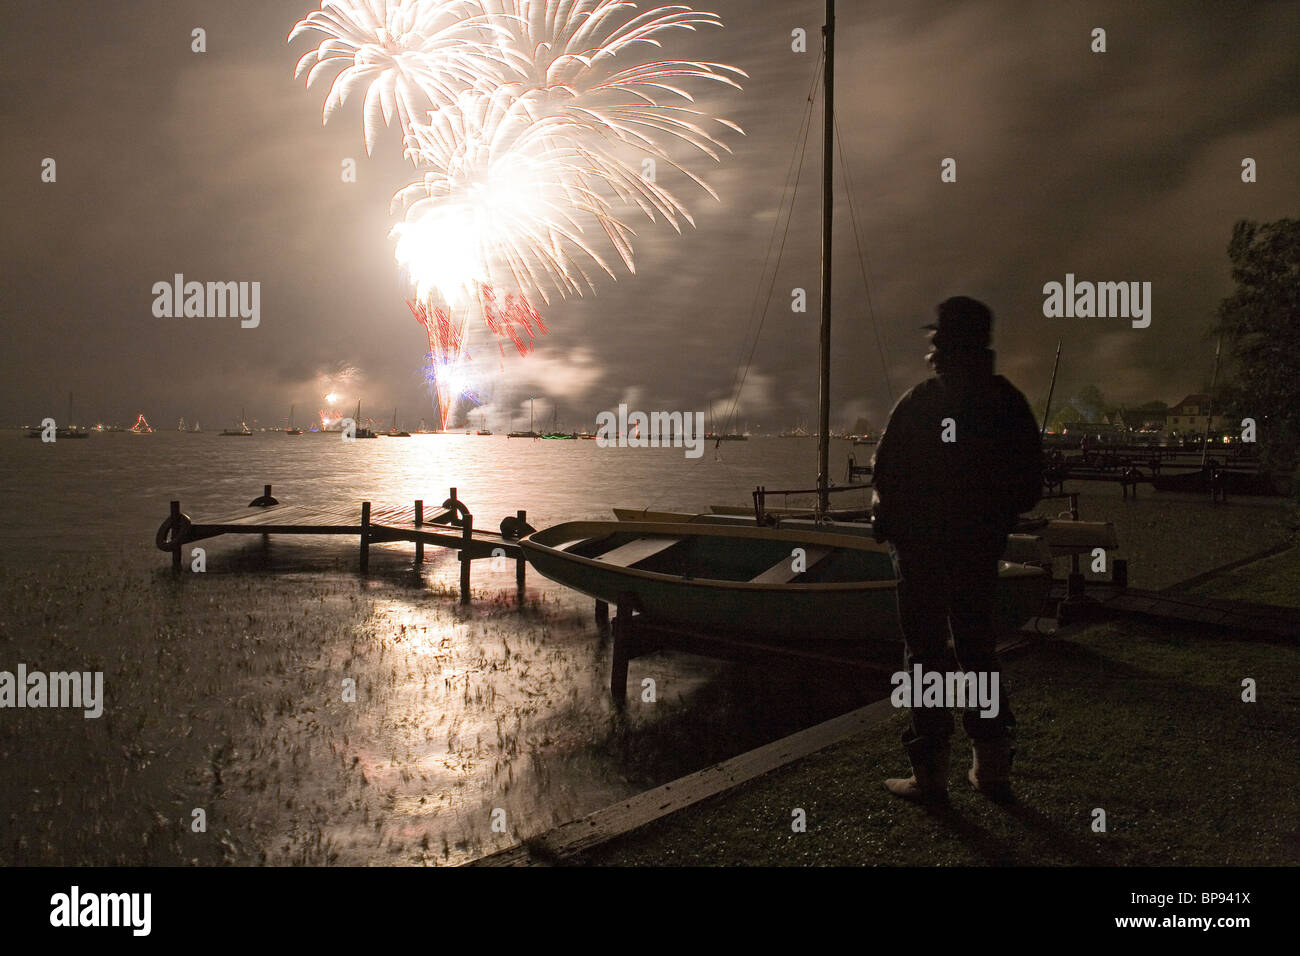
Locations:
(929, 780)
(990, 771)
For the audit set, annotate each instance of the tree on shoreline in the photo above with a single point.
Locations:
(1260, 322)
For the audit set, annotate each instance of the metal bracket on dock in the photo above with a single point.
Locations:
(456, 513)
(264, 500)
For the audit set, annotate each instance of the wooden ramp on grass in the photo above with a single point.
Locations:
(1219, 613)
(562, 844)
(571, 839)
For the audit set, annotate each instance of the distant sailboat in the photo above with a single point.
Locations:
(243, 431)
(396, 432)
(361, 430)
(62, 431)
(291, 430)
(555, 434)
(532, 432)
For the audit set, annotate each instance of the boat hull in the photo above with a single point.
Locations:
(862, 608)
(1234, 483)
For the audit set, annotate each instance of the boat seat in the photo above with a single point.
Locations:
(783, 571)
(1079, 537)
(633, 552)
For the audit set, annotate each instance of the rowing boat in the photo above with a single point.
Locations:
(792, 585)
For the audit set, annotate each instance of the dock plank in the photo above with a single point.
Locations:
(390, 524)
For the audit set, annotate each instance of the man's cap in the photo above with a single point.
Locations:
(964, 324)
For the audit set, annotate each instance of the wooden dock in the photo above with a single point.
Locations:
(452, 529)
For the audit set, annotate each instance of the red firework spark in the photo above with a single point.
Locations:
(514, 319)
(444, 337)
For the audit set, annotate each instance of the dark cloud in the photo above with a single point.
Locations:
(1122, 166)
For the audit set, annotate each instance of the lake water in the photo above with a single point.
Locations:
(464, 712)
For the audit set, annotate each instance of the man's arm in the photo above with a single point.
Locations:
(1025, 456)
(887, 468)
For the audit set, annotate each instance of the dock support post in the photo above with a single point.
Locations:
(419, 520)
(626, 646)
(176, 525)
(365, 537)
(619, 656)
(1119, 572)
(467, 542)
(521, 565)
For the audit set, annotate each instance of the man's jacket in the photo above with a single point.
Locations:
(962, 455)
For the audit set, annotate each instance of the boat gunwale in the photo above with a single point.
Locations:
(670, 529)
(1006, 569)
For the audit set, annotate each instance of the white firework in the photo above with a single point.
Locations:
(530, 124)
(408, 55)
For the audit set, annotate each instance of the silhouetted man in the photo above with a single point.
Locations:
(960, 459)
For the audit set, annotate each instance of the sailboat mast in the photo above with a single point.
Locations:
(1209, 417)
(1047, 409)
(828, 216)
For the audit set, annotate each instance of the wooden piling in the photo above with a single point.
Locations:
(1119, 572)
(625, 646)
(419, 520)
(521, 565)
(365, 537)
(467, 534)
(619, 655)
(176, 531)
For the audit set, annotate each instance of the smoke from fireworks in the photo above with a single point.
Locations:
(531, 124)
(335, 385)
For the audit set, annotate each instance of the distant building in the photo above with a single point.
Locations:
(1147, 419)
(1192, 414)
(1106, 431)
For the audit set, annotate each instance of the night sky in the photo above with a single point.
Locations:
(1122, 166)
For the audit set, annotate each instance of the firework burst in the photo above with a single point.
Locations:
(531, 124)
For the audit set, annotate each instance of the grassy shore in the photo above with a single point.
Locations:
(1141, 721)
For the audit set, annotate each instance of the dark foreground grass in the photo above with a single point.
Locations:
(1139, 721)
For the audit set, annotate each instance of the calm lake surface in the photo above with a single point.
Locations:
(466, 712)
